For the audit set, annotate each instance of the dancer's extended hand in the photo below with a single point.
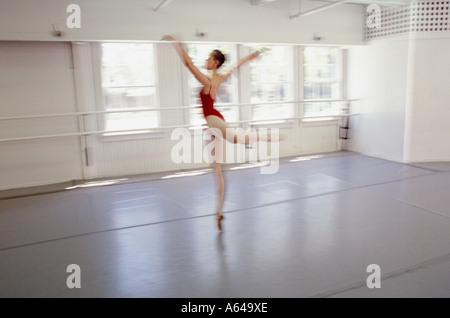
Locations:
(168, 38)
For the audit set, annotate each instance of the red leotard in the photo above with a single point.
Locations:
(208, 106)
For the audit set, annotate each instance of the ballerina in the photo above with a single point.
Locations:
(213, 118)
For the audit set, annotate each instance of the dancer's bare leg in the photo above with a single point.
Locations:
(220, 193)
(218, 129)
(238, 137)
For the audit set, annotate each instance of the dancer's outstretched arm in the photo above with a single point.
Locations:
(244, 60)
(202, 78)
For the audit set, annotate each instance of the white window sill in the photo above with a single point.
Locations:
(322, 121)
(128, 136)
(285, 123)
(319, 119)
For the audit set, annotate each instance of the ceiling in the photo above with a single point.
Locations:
(379, 2)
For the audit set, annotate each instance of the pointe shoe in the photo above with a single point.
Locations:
(219, 218)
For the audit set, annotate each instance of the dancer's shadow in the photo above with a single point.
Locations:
(223, 282)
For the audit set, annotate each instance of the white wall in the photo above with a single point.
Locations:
(428, 121)
(403, 84)
(37, 78)
(377, 74)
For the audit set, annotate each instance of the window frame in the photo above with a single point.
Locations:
(241, 86)
(101, 120)
(289, 84)
(339, 80)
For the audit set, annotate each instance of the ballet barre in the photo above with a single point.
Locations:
(252, 122)
(133, 110)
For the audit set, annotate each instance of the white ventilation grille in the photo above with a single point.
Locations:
(430, 16)
(418, 17)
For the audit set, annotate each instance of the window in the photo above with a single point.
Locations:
(320, 81)
(270, 81)
(128, 83)
(199, 53)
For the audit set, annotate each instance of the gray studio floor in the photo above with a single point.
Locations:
(310, 230)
